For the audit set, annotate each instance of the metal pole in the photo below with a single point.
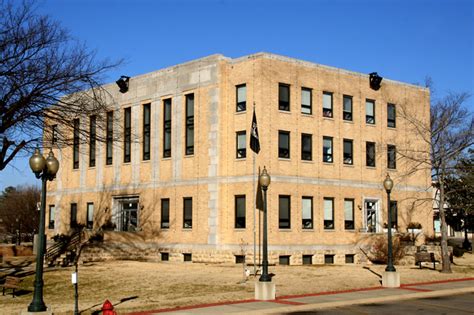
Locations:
(390, 266)
(37, 305)
(254, 220)
(265, 277)
(76, 294)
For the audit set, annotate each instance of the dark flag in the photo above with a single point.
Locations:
(254, 139)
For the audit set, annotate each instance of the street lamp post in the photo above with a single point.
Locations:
(44, 169)
(264, 182)
(388, 185)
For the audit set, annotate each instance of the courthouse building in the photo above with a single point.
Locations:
(180, 184)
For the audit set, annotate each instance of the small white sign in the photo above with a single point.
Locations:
(74, 278)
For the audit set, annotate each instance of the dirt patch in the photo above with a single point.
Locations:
(134, 286)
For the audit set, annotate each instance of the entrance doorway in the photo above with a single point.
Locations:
(126, 214)
(371, 209)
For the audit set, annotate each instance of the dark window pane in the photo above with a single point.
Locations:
(146, 131)
(329, 259)
(327, 149)
(188, 213)
(284, 97)
(394, 212)
(347, 107)
(306, 147)
(239, 259)
(348, 154)
(284, 144)
(349, 258)
(187, 257)
(370, 154)
(240, 212)
(165, 256)
(306, 101)
(241, 143)
(165, 213)
(110, 138)
(241, 93)
(284, 212)
(127, 141)
(391, 156)
(307, 259)
(189, 124)
(76, 145)
(73, 215)
(92, 139)
(167, 128)
(284, 260)
(391, 116)
(327, 104)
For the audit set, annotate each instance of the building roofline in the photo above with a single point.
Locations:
(317, 65)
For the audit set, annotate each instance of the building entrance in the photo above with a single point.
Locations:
(371, 215)
(126, 214)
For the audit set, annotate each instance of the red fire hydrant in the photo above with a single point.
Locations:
(108, 308)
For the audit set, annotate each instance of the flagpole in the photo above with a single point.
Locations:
(254, 214)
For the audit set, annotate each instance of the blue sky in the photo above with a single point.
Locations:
(404, 40)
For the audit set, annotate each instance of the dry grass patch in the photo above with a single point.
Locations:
(133, 286)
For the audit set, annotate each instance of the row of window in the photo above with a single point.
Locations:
(307, 149)
(127, 133)
(327, 102)
(73, 215)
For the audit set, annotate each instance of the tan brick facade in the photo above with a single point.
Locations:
(213, 175)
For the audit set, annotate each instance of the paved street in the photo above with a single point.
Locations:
(456, 304)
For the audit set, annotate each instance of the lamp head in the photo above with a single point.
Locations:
(264, 178)
(388, 183)
(37, 162)
(52, 164)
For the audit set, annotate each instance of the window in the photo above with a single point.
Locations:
(370, 154)
(306, 147)
(348, 154)
(146, 131)
(347, 107)
(327, 149)
(110, 138)
(239, 259)
(328, 213)
(329, 259)
(284, 212)
(349, 214)
(307, 259)
(391, 115)
(165, 256)
(51, 217)
(73, 215)
(167, 128)
(394, 210)
(306, 101)
(187, 213)
(284, 144)
(241, 93)
(54, 134)
(307, 212)
(240, 212)
(284, 97)
(370, 112)
(90, 215)
(75, 158)
(92, 140)
(165, 213)
(187, 257)
(349, 258)
(327, 104)
(241, 143)
(391, 156)
(189, 124)
(127, 139)
(284, 260)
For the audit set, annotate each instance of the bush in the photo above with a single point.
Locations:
(414, 225)
(378, 251)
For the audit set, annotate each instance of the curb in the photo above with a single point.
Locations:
(319, 306)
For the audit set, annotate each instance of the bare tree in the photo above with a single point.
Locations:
(46, 78)
(449, 133)
(18, 209)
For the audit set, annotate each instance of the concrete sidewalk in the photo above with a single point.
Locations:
(306, 302)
